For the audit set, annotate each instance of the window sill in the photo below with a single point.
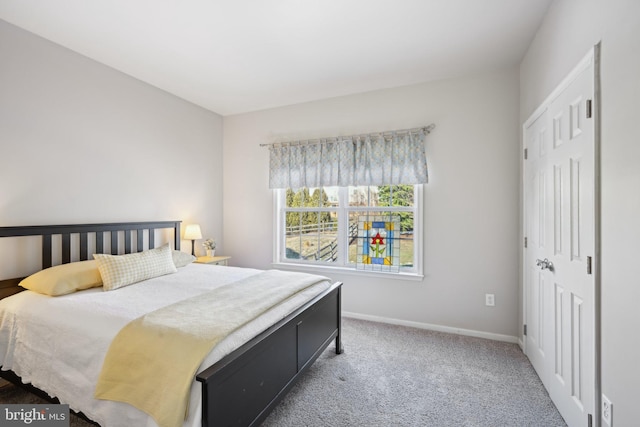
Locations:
(321, 269)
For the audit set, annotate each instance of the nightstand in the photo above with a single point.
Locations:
(214, 260)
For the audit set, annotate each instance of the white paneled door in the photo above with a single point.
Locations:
(559, 262)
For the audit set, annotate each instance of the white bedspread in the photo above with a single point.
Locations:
(58, 343)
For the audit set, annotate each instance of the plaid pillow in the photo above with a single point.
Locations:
(122, 270)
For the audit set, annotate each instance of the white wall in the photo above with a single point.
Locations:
(471, 201)
(569, 30)
(81, 142)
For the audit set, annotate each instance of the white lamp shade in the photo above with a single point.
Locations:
(192, 232)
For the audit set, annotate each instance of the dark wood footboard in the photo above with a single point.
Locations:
(242, 388)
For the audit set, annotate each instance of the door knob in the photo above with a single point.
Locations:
(544, 264)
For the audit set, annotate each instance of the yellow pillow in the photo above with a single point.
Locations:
(64, 279)
(122, 270)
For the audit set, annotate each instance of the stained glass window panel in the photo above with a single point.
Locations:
(378, 243)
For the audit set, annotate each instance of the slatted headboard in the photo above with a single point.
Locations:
(112, 230)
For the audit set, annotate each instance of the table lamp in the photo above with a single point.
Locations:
(192, 232)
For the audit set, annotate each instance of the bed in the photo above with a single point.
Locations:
(239, 382)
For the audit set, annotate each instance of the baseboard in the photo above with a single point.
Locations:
(432, 327)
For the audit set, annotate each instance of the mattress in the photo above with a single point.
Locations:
(58, 344)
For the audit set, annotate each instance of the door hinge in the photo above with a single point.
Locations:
(525, 330)
(589, 108)
(525, 242)
(526, 153)
(589, 268)
(589, 420)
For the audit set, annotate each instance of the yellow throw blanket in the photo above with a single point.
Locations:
(152, 361)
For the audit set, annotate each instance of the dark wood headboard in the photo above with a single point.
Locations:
(10, 286)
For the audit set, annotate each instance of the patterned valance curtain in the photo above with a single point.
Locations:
(377, 159)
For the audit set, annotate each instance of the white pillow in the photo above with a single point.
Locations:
(122, 270)
(180, 259)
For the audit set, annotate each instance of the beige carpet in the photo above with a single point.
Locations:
(398, 376)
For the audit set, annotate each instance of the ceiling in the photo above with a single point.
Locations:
(235, 56)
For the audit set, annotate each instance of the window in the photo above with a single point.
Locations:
(323, 227)
(351, 202)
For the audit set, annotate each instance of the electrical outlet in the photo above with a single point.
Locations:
(607, 411)
(490, 300)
